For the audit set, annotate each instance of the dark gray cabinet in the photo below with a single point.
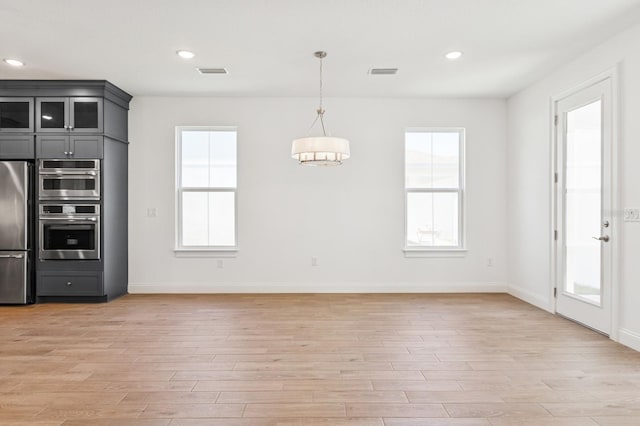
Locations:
(16, 147)
(79, 119)
(76, 146)
(65, 283)
(69, 114)
(16, 114)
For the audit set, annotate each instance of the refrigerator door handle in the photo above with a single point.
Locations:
(11, 256)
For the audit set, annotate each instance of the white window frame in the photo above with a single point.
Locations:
(438, 251)
(202, 251)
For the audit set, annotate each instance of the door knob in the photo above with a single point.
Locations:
(604, 238)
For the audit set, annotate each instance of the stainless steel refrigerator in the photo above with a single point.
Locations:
(15, 232)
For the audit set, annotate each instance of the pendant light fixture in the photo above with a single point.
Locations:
(320, 150)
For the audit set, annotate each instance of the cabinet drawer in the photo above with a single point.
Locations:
(16, 147)
(69, 284)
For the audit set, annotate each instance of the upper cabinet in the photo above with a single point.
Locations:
(74, 114)
(16, 115)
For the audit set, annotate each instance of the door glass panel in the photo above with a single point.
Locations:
(14, 115)
(52, 114)
(85, 115)
(583, 201)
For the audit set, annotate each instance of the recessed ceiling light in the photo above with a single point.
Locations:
(14, 62)
(453, 55)
(185, 54)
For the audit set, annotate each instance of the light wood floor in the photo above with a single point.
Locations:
(310, 359)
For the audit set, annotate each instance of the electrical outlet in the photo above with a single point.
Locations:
(632, 215)
(490, 262)
(151, 212)
(314, 261)
(220, 264)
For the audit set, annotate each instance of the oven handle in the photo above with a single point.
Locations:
(90, 219)
(69, 172)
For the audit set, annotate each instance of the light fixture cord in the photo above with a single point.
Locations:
(320, 110)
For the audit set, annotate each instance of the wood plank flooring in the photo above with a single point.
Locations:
(432, 359)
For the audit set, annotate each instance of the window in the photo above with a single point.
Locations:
(206, 164)
(434, 183)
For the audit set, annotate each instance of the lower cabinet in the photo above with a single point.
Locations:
(69, 284)
(59, 146)
(18, 147)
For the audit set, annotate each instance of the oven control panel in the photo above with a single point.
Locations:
(69, 209)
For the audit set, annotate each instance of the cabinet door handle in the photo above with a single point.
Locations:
(70, 127)
(68, 283)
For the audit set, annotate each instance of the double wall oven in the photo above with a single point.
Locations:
(69, 209)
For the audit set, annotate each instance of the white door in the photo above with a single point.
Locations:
(584, 206)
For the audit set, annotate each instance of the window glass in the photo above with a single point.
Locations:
(433, 190)
(207, 174)
(432, 219)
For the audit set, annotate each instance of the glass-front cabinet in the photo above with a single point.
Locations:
(16, 115)
(80, 115)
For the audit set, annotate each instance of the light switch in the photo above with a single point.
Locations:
(151, 212)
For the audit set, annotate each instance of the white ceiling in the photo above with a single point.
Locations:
(268, 45)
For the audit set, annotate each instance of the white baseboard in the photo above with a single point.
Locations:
(629, 338)
(348, 287)
(529, 297)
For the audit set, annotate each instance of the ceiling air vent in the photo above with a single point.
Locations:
(383, 71)
(212, 70)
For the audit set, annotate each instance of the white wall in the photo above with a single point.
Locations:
(529, 175)
(350, 217)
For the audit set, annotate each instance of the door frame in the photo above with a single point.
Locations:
(616, 193)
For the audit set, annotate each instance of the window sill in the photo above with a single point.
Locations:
(425, 252)
(231, 252)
